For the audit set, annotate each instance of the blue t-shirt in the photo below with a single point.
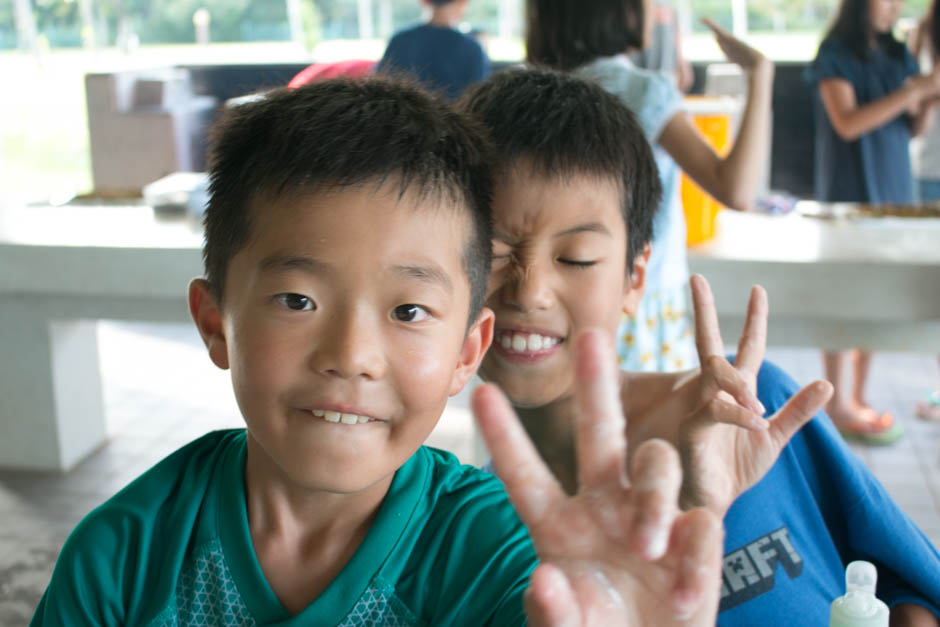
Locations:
(876, 167)
(654, 99)
(789, 538)
(440, 58)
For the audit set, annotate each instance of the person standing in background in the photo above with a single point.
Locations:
(436, 53)
(870, 99)
(664, 50)
(925, 157)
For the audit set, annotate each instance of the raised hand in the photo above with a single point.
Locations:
(725, 446)
(736, 50)
(618, 551)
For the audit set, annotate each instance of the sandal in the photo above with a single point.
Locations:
(881, 432)
(929, 408)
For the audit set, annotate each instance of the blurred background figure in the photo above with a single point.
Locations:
(870, 100)
(925, 157)
(663, 51)
(436, 53)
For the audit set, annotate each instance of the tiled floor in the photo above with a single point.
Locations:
(161, 391)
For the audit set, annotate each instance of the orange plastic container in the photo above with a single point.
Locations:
(712, 117)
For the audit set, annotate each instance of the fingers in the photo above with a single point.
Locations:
(801, 407)
(697, 546)
(656, 477)
(724, 412)
(707, 333)
(715, 28)
(601, 429)
(720, 376)
(530, 485)
(549, 600)
(753, 341)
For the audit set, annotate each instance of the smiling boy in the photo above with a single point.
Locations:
(573, 204)
(347, 254)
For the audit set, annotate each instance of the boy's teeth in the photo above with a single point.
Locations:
(335, 416)
(522, 342)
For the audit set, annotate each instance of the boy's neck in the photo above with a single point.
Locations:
(447, 16)
(303, 538)
(551, 428)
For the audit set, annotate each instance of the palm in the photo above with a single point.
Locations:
(618, 551)
(733, 48)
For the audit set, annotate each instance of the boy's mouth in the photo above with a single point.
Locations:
(345, 418)
(526, 342)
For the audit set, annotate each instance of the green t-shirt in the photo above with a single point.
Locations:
(174, 548)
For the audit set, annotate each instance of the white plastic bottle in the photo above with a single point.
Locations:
(859, 607)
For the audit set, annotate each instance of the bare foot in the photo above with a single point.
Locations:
(859, 418)
(929, 409)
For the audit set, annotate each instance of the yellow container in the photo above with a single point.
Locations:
(712, 117)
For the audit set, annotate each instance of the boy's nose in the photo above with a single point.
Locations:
(528, 289)
(350, 347)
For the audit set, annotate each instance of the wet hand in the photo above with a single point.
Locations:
(724, 443)
(619, 551)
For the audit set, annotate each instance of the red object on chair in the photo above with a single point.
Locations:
(323, 71)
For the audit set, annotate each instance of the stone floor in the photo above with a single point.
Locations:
(161, 391)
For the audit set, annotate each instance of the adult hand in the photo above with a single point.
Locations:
(725, 445)
(736, 50)
(618, 551)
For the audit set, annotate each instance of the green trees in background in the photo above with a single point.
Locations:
(115, 22)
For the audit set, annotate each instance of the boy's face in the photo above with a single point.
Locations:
(559, 267)
(345, 326)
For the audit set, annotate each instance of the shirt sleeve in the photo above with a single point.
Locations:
(661, 103)
(863, 520)
(87, 584)
(832, 61)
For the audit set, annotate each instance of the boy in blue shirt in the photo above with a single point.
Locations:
(347, 255)
(572, 212)
(436, 53)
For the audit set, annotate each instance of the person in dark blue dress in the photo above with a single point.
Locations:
(437, 54)
(869, 101)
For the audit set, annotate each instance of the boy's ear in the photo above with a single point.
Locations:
(636, 282)
(475, 345)
(206, 313)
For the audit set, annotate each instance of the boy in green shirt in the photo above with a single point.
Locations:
(347, 254)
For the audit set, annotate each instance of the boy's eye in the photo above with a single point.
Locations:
(410, 313)
(577, 263)
(295, 302)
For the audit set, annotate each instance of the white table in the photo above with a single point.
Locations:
(867, 283)
(834, 285)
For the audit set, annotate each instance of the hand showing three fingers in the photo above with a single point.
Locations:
(725, 445)
(619, 551)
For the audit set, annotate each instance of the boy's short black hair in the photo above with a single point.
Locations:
(565, 34)
(561, 126)
(346, 133)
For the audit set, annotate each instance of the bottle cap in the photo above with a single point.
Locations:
(861, 576)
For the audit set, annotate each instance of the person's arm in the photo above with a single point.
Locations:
(731, 180)
(851, 121)
(912, 615)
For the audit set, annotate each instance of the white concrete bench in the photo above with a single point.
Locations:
(831, 285)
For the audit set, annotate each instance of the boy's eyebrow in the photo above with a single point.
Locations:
(431, 274)
(587, 227)
(287, 261)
